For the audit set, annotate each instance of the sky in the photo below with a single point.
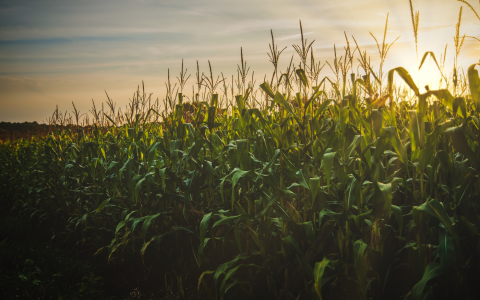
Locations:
(55, 52)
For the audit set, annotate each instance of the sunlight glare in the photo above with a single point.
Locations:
(429, 75)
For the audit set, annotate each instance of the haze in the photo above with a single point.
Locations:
(55, 52)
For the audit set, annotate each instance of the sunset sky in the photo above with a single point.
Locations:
(55, 52)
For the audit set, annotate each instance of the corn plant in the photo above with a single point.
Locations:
(320, 191)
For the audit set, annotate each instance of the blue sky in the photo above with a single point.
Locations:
(55, 52)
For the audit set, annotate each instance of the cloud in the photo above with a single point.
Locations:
(196, 13)
(293, 36)
(11, 83)
(390, 17)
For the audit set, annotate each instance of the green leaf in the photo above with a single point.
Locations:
(315, 95)
(321, 109)
(272, 161)
(258, 114)
(174, 146)
(360, 264)
(29, 262)
(459, 102)
(280, 211)
(236, 177)
(156, 240)
(257, 241)
(119, 226)
(377, 121)
(290, 241)
(223, 267)
(302, 76)
(298, 97)
(240, 103)
(327, 164)
(151, 154)
(433, 270)
(301, 179)
(351, 191)
(339, 218)
(397, 212)
(83, 219)
(446, 252)
(279, 99)
(243, 155)
(309, 231)
(110, 119)
(405, 76)
(344, 117)
(426, 154)
(212, 112)
(214, 100)
(227, 276)
(314, 184)
(444, 96)
(203, 232)
(392, 134)
(355, 143)
(436, 209)
(138, 187)
(201, 277)
(386, 192)
(223, 182)
(136, 222)
(359, 219)
(474, 84)
(425, 56)
(147, 223)
(266, 88)
(414, 128)
(237, 235)
(318, 275)
(225, 221)
(460, 143)
(237, 229)
(334, 85)
(207, 171)
(101, 206)
(199, 110)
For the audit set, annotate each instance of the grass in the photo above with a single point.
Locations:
(302, 187)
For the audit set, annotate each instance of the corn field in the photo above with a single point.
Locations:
(302, 187)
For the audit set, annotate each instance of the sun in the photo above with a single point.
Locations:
(429, 75)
